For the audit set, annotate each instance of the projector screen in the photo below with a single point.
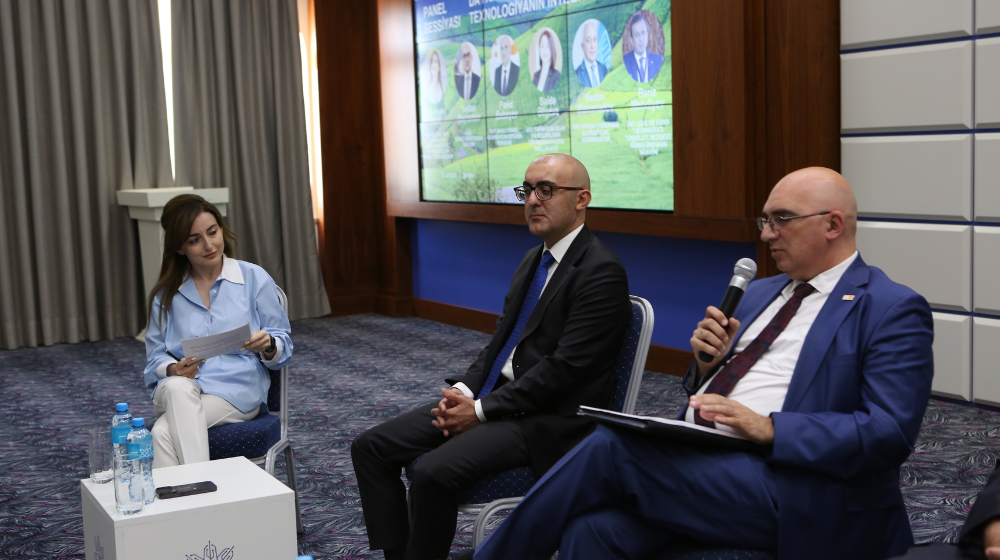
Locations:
(501, 82)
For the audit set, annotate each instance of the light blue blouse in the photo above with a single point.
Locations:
(243, 293)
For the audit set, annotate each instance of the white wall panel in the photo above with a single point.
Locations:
(911, 176)
(952, 357)
(987, 16)
(986, 276)
(985, 360)
(987, 176)
(933, 259)
(912, 88)
(864, 23)
(988, 82)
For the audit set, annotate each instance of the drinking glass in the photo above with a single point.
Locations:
(99, 449)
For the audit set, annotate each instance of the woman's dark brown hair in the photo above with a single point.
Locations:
(552, 49)
(178, 216)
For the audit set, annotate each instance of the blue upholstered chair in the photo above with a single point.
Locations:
(262, 438)
(503, 491)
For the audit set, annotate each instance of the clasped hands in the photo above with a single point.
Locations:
(455, 412)
(714, 335)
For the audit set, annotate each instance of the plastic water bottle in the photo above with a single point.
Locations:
(139, 445)
(121, 424)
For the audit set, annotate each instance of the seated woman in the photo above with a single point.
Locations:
(202, 291)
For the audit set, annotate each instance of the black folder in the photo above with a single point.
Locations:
(676, 430)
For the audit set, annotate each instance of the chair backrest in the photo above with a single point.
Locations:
(632, 356)
(277, 395)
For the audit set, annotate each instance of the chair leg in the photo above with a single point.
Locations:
(479, 528)
(293, 484)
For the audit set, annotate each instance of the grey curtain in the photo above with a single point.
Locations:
(240, 123)
(82, 115)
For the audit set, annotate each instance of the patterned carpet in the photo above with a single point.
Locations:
(350, 373)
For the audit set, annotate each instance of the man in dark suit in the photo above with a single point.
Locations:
(643, 65)
(466, 81)
(554, 349)
(828, 367)
(590, 72)
(980, 536)
(505, 76)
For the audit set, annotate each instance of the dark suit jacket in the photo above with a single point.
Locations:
(850, 418)
(567, 350)
(511, 78)
(550, 81)
(986, 508)
(652, 65)
(460, 84)
(584, 76)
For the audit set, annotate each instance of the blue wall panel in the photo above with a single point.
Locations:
(471, 264)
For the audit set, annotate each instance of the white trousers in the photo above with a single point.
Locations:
(183, 416)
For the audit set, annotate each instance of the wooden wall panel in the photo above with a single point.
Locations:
(710, 113)
(756, 90)
(364, 254)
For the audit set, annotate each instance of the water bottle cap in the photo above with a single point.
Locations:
(304, 558)
(138, 422)
(121, 407)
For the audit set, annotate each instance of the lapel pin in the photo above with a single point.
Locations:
(848, 298)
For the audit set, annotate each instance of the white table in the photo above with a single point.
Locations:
(251, 516)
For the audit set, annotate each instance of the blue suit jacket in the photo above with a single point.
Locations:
(850, 418)
(653, 65)
(584, 76)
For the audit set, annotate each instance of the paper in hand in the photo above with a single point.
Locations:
(205, 347)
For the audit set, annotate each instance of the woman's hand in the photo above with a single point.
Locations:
(259, 342)
(187, 367)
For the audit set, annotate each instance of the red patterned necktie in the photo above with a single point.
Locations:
(731, 373)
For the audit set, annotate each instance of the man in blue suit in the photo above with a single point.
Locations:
(640, 63)
(834, 389)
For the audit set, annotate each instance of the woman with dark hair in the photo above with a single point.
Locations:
(547, 75)
(202, 290)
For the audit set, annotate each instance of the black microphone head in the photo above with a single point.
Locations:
(746, 269)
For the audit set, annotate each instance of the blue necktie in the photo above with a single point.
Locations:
(534, 292)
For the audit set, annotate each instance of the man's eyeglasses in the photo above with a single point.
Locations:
(542, 192)
(778, 222)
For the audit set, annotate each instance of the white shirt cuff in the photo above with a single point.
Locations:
(479, 411)
(161, 370)
(277, 353)
(464, 389)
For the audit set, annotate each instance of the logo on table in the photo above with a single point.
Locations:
(98, 549)
(212, 553)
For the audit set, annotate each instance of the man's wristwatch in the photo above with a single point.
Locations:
(271, 347)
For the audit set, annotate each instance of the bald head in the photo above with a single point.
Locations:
(569, 166)
(824, 188)
(825, 234)
(553, 218)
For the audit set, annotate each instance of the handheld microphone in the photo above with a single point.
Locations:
(744, 272)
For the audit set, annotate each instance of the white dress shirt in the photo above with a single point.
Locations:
(595, 79)
(765, 385)
(503, 82)
(558, 252)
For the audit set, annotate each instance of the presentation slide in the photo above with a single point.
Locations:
(501, 82)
